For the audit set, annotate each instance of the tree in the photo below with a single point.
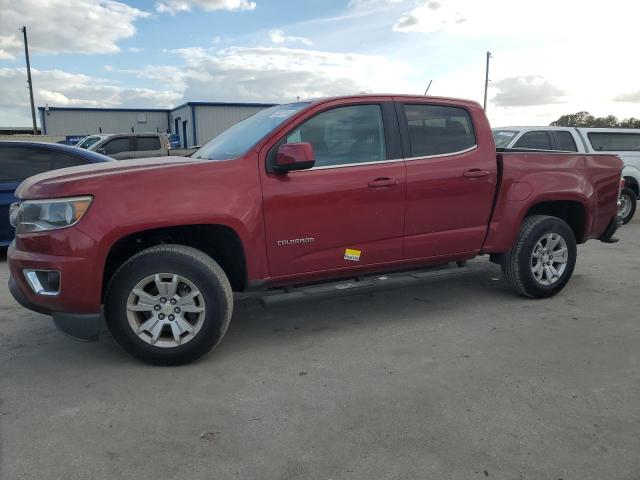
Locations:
(585, 119)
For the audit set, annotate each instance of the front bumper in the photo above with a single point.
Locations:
(76, 308)
(86, 327)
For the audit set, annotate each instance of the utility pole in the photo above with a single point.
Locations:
(486, 81)
(26, 54)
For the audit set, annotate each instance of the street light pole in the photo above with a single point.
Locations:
(486, 81)
(26, 54)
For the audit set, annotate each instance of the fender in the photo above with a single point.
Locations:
(522, 190)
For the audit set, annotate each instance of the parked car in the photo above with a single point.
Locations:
(125, 146)
(623, 142)
(19, 160)
(89, 140)
(302, 193)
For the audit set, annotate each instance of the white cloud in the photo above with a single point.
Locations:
(526, 91)
(432, 16)
(58, 88)
(371, 4)
(571, 19)
(175, 6)
(55, 26)
(278, 36)
(280, 74)
(631, 97)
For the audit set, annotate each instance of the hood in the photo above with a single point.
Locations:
(61, 182)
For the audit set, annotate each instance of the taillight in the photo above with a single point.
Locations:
(621, 183)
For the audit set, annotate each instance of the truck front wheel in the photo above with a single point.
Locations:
(169, 305)
(543, 257)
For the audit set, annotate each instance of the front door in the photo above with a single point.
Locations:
(451, 179)
(347, 211)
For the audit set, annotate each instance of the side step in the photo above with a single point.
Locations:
(364, 284)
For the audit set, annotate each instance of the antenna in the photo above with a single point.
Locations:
(428, 87)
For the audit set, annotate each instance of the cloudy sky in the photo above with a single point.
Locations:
(550, 57)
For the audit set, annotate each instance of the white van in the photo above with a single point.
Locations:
(624, 142)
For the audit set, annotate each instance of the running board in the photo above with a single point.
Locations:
(365, 284)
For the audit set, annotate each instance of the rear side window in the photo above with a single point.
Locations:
(117, 145)
(148, 143)
(538, 140)
(564, 141)
(438, 130)
(614, 141)
(17, 163)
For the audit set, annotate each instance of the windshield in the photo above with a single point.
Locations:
(237, 140)
(86, 142)
(503, 137)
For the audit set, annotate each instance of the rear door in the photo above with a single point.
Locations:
(148, 146)
(120, 148)
(451, 179)
(347, 211)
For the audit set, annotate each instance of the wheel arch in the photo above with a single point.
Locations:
(573, 212)
(220, 242)
(632, 183)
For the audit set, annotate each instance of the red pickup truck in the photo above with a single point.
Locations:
(301, 193)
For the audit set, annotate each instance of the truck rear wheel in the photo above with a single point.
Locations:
(627, 204)
(543, 257)
(169, 305)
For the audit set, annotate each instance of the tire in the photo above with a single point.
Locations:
(628, 204)
(522, 269)
(164, 282)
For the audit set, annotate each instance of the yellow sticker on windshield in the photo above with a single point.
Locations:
(352, 255)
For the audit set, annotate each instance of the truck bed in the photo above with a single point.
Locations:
(586, 184)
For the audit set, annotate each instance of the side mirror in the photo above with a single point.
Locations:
(102, 151)
(294, 156)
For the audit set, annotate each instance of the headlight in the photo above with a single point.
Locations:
(13, 214)
(41, 215)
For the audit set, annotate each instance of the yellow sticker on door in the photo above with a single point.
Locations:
(352, 255)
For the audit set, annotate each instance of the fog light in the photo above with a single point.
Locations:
(43, 282)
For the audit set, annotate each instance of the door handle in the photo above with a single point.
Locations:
(476, 173)
(383, 182)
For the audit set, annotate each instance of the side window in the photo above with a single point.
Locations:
(62, 160)
(117, 145)
(438, 130)
(564, 141)
(17, 163)
(615, 142)
(147, 143)
(344, 135)
(537, 140)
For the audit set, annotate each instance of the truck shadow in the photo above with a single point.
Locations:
(304, 324)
